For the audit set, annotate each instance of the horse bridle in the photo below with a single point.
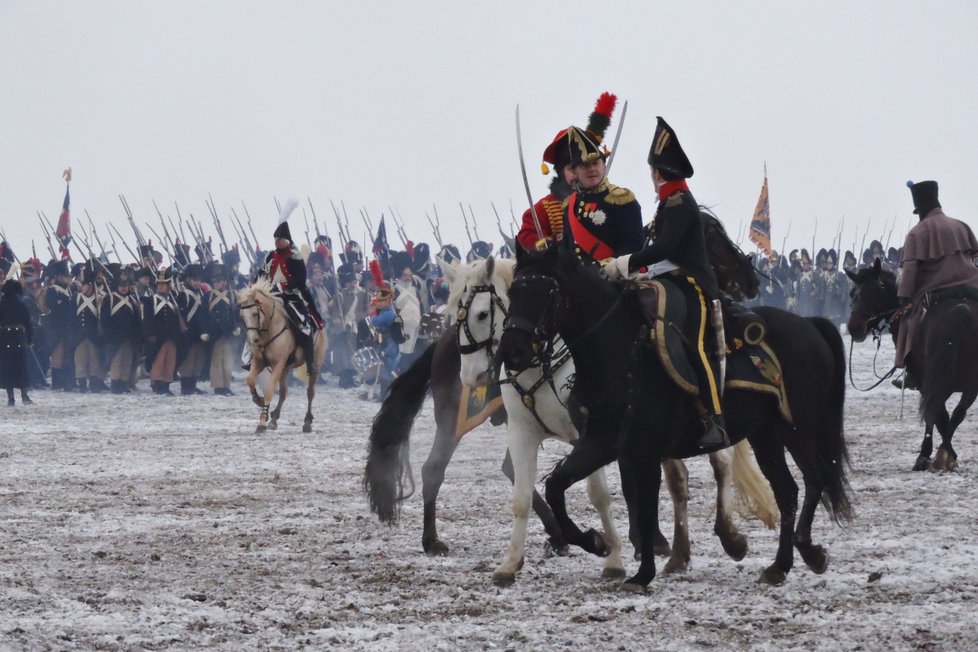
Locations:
(258, 328)
(462, 322)
(874, 326)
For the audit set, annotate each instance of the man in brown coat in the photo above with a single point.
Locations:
(937, 254)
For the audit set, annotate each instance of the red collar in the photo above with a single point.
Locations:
(669, 187)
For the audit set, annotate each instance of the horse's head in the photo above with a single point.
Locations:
(257, 307)
(536, 305)
(873, 299)
(733, 268)
(480, 295)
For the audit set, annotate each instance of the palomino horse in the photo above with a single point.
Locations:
(634, 411)
(536, 402)
(943, 355)
(274, 346)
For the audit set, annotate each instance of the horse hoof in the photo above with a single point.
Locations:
(675, 566)
(634, 586)
(435, 548)
(660, 546)
(943, 461)
(613, 572)
(595, 543)
(260, 429)
(922, 464)
(816, 558)
(307, 427)
(273, 425)
(773, 576)
(556, 549)
(735, 547)
(503, 579)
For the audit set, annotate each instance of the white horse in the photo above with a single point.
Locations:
(536, 406)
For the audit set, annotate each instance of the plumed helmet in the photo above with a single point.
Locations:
(575, 145)
(666, 154)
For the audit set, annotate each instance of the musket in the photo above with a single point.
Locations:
(434, 229)
(508, 239)
(250, 228)
(526, 181)
(125, 244)
(306, 219)
(315, 221)
(218, 227)
(47, 236)
(367, 221)
(512, 215)
(183, 236)
(886, 247)
(95, 237)
(740, 231)
(115, 247)
(785, 240)
(466, 220)
(475, 225)
(400, 224)
(168, 250)
(398, 227)
(74, 240)
(434, 207)
(243, 235)
(278, 206)
(346, 221)
(166, 233)
(614, 144)
(91, 255)
(814, 233)
(339, 225)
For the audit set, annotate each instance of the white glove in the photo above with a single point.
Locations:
(204, 337)
(236, 331)
(616, 268)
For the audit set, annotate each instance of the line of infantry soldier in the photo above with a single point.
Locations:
(101, 327)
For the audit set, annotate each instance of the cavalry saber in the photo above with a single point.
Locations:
(614, 144)
(526, 181)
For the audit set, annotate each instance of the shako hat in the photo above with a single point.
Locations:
(924, 195)
(666, 154)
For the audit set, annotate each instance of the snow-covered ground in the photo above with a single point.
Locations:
(147, 523)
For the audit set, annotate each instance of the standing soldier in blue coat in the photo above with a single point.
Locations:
(57, 322)
(221, 328)
(121, 331)
(193, 308)
(164, 332)
(85, 334)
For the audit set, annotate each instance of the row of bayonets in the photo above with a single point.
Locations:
(172, 234)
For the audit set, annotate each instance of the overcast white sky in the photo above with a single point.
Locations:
(412, 103)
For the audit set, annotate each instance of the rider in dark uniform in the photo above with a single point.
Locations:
(285, 269)
(678, 244)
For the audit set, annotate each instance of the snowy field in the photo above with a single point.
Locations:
(147, 523)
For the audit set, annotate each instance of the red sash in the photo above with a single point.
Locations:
(586, 240)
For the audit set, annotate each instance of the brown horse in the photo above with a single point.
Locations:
(274, 346)
(943, 354)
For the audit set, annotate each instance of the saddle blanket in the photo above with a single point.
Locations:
(750, 367)
(475, 405)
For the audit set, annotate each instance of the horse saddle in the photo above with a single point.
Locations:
(751, 365)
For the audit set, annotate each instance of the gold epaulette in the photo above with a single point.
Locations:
(618, 196)
(675, 199)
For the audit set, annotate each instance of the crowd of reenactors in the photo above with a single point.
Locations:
(816, 287)
(97, 326)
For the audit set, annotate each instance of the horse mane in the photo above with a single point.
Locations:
(886, 277)
(262, 289)
(503, 270)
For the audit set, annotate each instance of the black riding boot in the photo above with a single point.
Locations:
(10, 396)
(714, 432)
(186, 386)
(119, 387)
(24, 398)
(96, 385)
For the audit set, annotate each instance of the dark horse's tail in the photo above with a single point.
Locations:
(943, 361)
(832, 457)
(388, 467)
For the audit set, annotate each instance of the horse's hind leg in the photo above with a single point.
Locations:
(542, 510)
(283, 388)
(432, 476)
(770, 457)
(957, 417)
(814, 555)
(522, 451)
(926, 448)
(734, 543)
(677, 480)
(597, 491)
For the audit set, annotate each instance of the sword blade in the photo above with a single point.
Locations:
(526, 181)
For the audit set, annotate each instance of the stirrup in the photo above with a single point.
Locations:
(715, 435)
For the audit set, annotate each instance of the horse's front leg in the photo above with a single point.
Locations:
(283, 389)
(600, 495)
(734, 543)
(590, 454)
(926, 448)
(252, 379)
(677, 480)
(523, 447)
(276, 375)
(310, 394)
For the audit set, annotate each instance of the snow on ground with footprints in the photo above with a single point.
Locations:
(144, 523)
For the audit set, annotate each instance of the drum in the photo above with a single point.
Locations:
(367, 361)
(432, 326)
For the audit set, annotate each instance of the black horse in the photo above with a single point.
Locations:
(633, 412)
(943, 354)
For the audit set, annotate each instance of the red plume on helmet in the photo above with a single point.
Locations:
(383, 290)
(600, 119)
